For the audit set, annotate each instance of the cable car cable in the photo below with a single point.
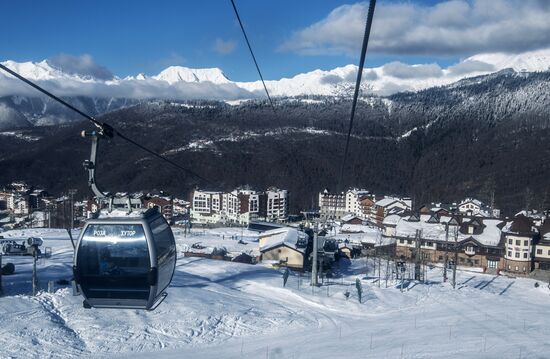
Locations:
(357, 87)
(354, 102)
(107, 129)
(252, 54)
(49, 94)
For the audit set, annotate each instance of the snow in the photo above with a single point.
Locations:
(183, 82)
(279, 236)
(436, 231)
(218, 309)
(174, 74)
(20, 135)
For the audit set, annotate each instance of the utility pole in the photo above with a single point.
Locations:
(446, 261)
(72, 193)
(417, 256)
(1, 291)
(34, 278)
(314, 279)
(456, 257)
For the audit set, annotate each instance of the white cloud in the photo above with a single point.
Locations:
(128, 88)
(404, 71)
(224, 47)
(83, 65)
(449, 28)
(470, 66)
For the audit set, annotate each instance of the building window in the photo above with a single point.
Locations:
(409, 241)
(518, 242)
(526, 243)
(524, 255)
(549, 252)
(510, 241)
(401, 241)
(539, 251)
(517, 255)
(430, 244)
(517, 268)
(509, 253)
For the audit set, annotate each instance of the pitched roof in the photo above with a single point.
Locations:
(545, 228)
(282, 236)
(436, 231)
(521, 224)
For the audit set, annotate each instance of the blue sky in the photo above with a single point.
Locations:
(129, 37)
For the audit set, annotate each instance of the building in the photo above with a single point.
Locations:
(284, 247)
(165, 205)
(542, 248)
(387, 206)
(277, 201)
(474, 207)
(519, 237)
(359, 202)
(7, 201)
(206, 206)
(21, 206)
(478, 241)
(240, 206)
(36, 197)
(332, 205)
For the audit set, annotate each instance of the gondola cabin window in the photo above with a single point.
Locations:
(114, 259)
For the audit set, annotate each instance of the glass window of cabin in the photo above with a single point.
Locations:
(113, 261)
(163, 238)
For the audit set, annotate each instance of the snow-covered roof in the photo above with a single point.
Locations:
(391, 220)
(356, 228)
(473, 201)
(436, 231)
(282, 236)
(348, 217)
(385, 202)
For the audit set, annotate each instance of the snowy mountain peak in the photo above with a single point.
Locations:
(174, 74)
(531, 61)
(34, 70)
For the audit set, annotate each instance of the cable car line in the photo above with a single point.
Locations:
(252, 54)
(49, 94)
(357, 87)
(105, 128)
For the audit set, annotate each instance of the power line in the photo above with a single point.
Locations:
(107, 129)
(252, 53)
(357, 87)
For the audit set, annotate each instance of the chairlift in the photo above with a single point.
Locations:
(124, 258)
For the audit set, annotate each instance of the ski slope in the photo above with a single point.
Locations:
(221, 309)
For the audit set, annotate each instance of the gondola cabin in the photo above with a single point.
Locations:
(125, 260)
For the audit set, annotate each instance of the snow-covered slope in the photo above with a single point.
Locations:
(530, 61)
(175, 74)
(218, 309)
(21, 105)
